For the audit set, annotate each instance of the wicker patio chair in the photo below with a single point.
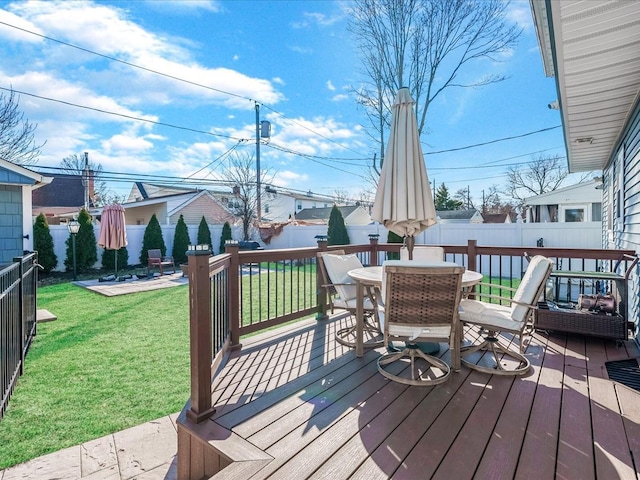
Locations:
(420, 305)
(494, 318)
(341, 291)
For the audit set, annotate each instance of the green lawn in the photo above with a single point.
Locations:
(106, 364)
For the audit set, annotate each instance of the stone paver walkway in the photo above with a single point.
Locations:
(145, 452)
(114, 288)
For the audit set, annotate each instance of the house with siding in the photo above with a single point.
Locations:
(193, 205)
(470, 215)
(576, 203)
(16, 224)
(591, 48)
(279, 205)
(352, 215)
(62, 199)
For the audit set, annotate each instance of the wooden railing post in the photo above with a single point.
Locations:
(373, 253)
(321, 293)
(232, 248)
(200, 332)
(472, 254)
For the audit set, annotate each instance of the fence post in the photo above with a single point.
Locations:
(472, 254)
(200, 407)
(233, 248)
(373, 254)
(321, 293)
(21, 316)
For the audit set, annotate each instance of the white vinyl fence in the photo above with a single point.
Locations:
(560, 235)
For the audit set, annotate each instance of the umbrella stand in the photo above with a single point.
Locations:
(410, 241)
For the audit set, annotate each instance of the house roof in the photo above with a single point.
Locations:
(498, 217)
(592, 50)
(457, 214)
(580, 192)
(13, 173)
(63, 191)
(324, 213)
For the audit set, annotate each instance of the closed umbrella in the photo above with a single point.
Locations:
(113, 231)
(404, 203)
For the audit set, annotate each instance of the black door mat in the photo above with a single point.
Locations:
(626, 372)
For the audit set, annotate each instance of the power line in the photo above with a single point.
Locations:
(493, 141)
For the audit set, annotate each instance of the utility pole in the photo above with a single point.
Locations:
(85, 180)
(258, 204)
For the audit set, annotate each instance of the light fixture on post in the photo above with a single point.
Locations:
(74, 228)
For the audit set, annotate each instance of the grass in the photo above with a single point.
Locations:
(106, 364)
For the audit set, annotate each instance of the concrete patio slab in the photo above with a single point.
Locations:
(134, 285)
(145, 452)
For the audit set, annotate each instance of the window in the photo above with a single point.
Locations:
(574, 215)
(299, 206)
(596, 212)
(266, 208)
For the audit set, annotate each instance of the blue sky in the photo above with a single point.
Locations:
(296, 58)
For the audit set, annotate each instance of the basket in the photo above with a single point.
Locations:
(585, 323)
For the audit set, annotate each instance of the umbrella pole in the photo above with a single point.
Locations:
(410, 240)
(116, 262)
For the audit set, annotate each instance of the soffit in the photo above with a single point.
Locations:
(597, 47)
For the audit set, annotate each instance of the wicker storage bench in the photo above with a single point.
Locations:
(602, 325)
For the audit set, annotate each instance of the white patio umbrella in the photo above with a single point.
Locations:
(404, 203)
(113, 231)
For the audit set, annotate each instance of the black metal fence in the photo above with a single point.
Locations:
(18, 287)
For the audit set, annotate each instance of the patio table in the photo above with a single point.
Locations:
(372, 277)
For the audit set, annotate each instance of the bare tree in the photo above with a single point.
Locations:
(463, 195)
(241, 176)
(544, 174)
(424, 45)
(17, 142)
(76, 164)
(340, 196)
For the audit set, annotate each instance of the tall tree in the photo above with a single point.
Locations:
(426, 45)
(241, 175)
(544, 174)
(17, 143)
(444, 201)
(77, 164)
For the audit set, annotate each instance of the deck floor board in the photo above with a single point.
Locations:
(323, 413)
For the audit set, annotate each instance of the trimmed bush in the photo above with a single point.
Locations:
(337, 231)
(43, 244)
(181, 242)
(152, 239)
(109, 258)
(394, 238)
(204, 234)
(226, 235)
(86, 247)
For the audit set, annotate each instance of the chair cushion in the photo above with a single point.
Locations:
(351, 304)
(421, 253)
(338, 267)
(489, 314)
(533, 277)
(414, 333)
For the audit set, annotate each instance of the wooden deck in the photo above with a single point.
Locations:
(295, 404)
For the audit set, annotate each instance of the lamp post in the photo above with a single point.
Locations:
(74, 228)
(263, 130)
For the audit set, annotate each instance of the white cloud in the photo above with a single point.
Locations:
(519, 12)
(330, 85)
(301, 50)
(340, 97)
(315, 18)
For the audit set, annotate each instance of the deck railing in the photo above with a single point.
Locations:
(243, 292)
(18, 284)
